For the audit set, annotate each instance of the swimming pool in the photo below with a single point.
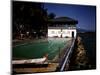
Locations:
(38, 49)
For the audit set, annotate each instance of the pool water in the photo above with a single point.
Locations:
(40, 48)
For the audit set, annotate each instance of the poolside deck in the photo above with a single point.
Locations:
(50, 68)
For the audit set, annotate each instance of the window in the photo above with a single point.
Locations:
(64, 32)
(68, 32)
(59, 32)
(52, 32)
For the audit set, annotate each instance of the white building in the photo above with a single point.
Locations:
(62, 27)
(61, 32)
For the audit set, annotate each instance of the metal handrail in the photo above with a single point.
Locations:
(67, 57)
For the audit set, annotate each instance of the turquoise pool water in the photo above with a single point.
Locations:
(38, 49)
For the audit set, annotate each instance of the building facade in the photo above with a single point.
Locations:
(61, 32)
(62, 27)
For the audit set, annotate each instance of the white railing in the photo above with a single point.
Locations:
(67, 56)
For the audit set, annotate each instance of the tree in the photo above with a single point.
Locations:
(31, 15)
(51, 16)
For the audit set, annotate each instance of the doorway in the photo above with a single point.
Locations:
(72, 34)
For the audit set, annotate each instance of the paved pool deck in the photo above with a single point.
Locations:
(50, 68)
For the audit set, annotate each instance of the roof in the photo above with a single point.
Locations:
(63, 20)
(61, 27)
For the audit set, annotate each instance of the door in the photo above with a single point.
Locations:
(72, 34)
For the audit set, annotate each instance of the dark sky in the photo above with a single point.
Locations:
(86, 15)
